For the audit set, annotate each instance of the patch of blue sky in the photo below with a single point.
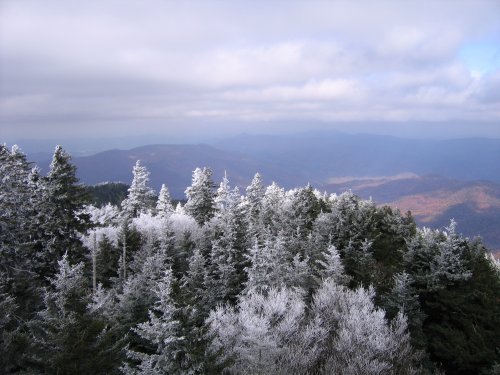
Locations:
(481, 57)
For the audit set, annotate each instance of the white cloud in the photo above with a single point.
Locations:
(313, 90)
(81, 62)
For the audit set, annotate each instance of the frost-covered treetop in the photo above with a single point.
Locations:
(140, 196)
(164, 205)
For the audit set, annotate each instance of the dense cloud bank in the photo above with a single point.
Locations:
(108, 68)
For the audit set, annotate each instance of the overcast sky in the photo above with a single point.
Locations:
(99, 68)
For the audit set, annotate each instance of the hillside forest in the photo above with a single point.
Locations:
(260, 281)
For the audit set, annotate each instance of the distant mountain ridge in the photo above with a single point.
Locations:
(168, 164)
(298, 159)
(322, 155)
(173, 165)
(436, 180)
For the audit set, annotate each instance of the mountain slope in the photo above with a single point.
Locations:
(434, 200)
(173, 165)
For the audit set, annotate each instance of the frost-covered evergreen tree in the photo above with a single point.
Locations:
(451, 274)
(331, 267)
(449, 264)
(61, 215)
(223, 197)
(254, 195)
(254, 338)
(161, 332)
(271, 265)
(102, 245)
(106, 215)
(272, 208)
(9, 311)
(137, 292)
(195, 302)
(20, 232)
(40, 219)
(361, 341)
(359, 262)
(140, 198)
(229, 244)
(66, 338)
(346, 220)
(194, 279)
(200, 200)
(14, 196)
(221, 279)
(228, 223)
(438, 258)
(404, 298)
(301, 208)
(164, 205)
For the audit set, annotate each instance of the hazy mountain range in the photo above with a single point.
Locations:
(322, 155)
(435, 179)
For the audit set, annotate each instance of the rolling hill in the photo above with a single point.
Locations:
(173, 165)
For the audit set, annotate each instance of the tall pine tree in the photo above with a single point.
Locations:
(61, 214)
(141, 197)
(200, 203)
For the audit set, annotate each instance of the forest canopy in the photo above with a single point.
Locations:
(261, 281)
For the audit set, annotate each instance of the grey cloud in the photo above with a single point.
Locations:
(488, 90)
(110, 65)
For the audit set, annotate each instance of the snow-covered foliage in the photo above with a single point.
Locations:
(180, 222)
(254, 338)
(200, 204)
(148, 225)
(331, 266)
(273, 266)
(437, 257)
(164, 205)
(275, 281)
(141, 197)
(97, 234)
(361, 341)
(495, 262)
(162, 332)
(102, 216)
(346, 333)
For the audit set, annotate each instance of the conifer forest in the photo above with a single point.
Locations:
(233, 281)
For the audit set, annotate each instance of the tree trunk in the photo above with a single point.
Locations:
(94, 264)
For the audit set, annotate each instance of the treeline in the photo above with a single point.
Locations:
(268, 282)
(110, 192)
